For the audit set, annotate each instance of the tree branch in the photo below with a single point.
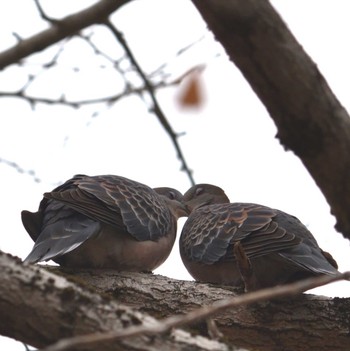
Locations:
(19, 169)
(156, 109)
(197, 315)
(61, 29)
(284, 324)
(55, 308)
(309, 118)
(39, 308)
(32, 100)
(70, 25)
(43, 15)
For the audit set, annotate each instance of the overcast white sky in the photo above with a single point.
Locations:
(230, 142)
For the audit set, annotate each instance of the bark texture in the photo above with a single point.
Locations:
(40, 307)
(310, 120)
(319, 322)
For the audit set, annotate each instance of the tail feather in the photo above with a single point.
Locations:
(62, 237)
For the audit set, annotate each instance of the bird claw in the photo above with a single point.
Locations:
(213, 330)
(245, 267)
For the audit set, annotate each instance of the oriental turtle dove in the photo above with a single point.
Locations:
(105, 221)
(248, 245)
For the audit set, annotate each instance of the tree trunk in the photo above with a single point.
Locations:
(309, 118)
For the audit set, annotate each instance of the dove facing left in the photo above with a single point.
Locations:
(245, 244)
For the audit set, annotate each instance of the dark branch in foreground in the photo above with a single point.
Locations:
(151, 91)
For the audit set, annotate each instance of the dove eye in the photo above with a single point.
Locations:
(198, 191)
(172, 195)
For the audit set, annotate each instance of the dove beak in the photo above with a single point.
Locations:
(183, 210)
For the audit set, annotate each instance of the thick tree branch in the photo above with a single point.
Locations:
(199, 314)
(309, 118)
(39, 308)
(61, 29)
(288, 324)
(285, 324)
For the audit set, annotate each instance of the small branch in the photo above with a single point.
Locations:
(19, 169)
(44, 15)
(97, 51)
(115, 62)
(69, 25)
(159, 70)
(54, 59)
(76, 104)
(166, 324)
(156, 107)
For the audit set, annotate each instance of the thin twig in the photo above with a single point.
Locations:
(43, 15)
(97, 51)
(180, 52)
(166, 324)
(78, 103)
(19, 169)
(151, 91)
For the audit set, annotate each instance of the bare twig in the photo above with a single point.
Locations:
(54, 59)
(19, 169)
(71, 25)
(44, 15)
(78, 103)
(166, 324)
(159, 70)
(68, 26)
(151, 91)
(97, 51)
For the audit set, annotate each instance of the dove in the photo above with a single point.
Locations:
(105, 221)
(247, 245)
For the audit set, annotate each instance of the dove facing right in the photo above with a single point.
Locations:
(105, 221)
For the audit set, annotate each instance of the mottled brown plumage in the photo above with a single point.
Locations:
(105, 221)
(244, 244)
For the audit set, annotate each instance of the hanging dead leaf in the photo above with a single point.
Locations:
(191, 92)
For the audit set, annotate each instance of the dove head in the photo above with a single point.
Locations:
(202, 195)
(174, 199)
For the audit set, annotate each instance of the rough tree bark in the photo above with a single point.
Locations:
(39, 308)
(68, 303)
(310, 120)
